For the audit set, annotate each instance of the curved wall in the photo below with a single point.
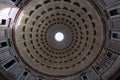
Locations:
(105, 66)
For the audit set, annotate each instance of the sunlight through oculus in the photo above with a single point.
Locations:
(59, 36)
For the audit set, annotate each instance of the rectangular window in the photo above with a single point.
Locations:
(25, 73)
(116, 35)
(85, 77)
(3, 44)
(13, 0)
(3, 22)
(9, 64)
(109, 54)
(115, 12)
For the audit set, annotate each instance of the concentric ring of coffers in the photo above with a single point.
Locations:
(83, 36)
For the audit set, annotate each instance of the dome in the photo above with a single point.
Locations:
(83, 36)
